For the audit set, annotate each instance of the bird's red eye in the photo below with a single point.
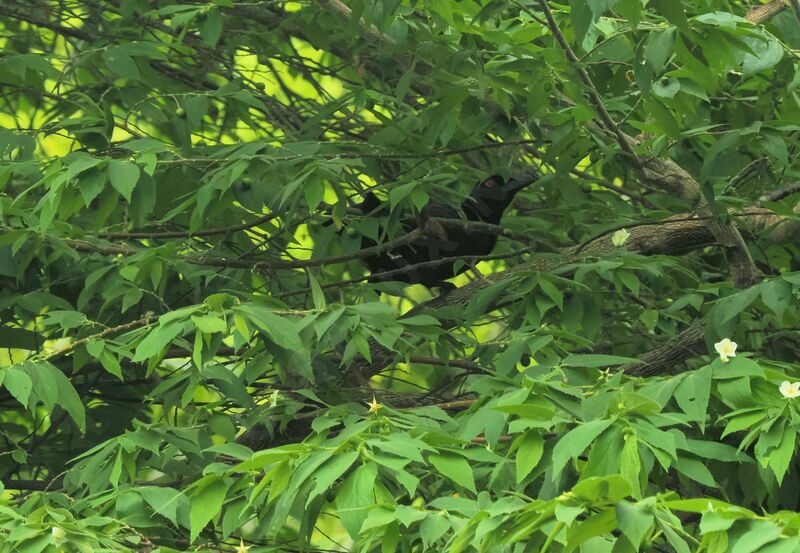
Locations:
(488, 183)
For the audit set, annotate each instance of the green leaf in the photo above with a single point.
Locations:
(210, 26)
(597, 360)
(759, 534)
(432, 528)
(552, 292)
(456, 468)
(377, 518)
(228, 383)
(658, 48)
(713, 521)
(265, 457)
(630, 10)
(602, 489)
(776, 295)
(408, 515)
(399, 193)
(695, 470)
(420, 320)
(156, 340)
(743, 422)
(766, 53)
(675, 540)
(123, 176)
(281, 330)
(206, 505)
(209, 324)
(581, 15)
(666, 87)
(781, 456)
(596, 525)
(196, 108)
(673, 11)
(574, 442)
(728, 308)
(529, 452)
(507, 361)
(18, 383)
(736, 368)
(775, 146)
(600, 7)
(404, 82)
(634, 520)
(68, 398)
(317, 295)
(355, 496)
(121, 63)
(717, 451)
(91, 184)
(162, 500)
(329, 472)
(693, 393)
(539, 409)
(630, 464)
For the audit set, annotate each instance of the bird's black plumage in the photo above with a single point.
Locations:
(486, 203)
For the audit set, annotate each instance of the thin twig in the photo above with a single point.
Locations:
(374, 277)
(144, 321)
(188, 234)
(780, 193)
(622, 139)
(81, 245)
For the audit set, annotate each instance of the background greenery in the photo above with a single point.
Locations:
(189, 349)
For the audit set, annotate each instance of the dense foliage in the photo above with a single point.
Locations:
(192, 358)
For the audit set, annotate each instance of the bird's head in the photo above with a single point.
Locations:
(493, 194)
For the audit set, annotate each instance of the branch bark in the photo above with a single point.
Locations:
(761, 14)
(676, 235)
(663, 358)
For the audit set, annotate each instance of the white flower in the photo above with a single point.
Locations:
(790, 390)
(726, 349)
(620, 237)
(58, 534)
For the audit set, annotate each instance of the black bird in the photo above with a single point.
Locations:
(486, 203)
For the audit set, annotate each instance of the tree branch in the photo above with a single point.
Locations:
(370, 32)
(608, 122)
(761, 14)
(81, 245)
(679, 234)
(187, 234)
(668, 174)
(675, 351)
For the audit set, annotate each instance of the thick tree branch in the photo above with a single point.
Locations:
(127, 251)
(686, 344)
(761, 14)
(675, 235)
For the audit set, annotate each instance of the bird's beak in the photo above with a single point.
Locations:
(512, 185)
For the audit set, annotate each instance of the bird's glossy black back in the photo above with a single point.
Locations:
(486, 202)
